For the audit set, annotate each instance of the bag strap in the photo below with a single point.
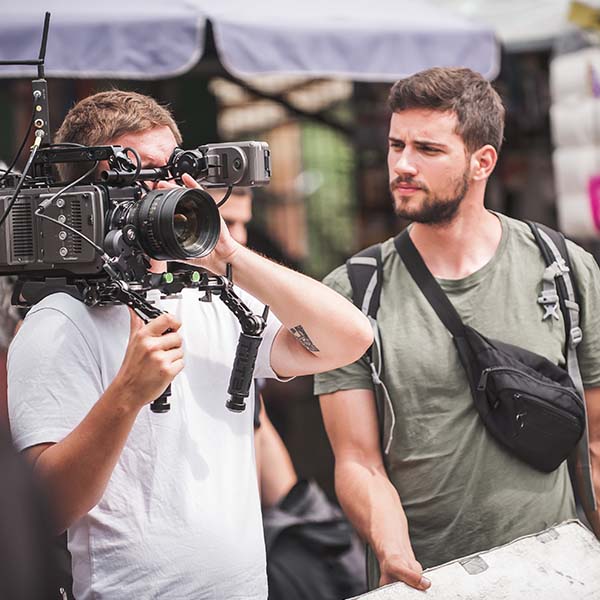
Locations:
(429, 286)
(558, 273)
(365, 272)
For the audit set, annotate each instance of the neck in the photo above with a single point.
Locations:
(461, 247)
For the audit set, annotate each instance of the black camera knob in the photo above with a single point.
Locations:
(130, 234)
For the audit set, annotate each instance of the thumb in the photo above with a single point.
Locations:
(189, 181)
(165, 185)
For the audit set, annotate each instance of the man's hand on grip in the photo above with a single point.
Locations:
(153, 358)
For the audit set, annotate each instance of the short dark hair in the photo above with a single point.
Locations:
(477, 106)
(98, 119)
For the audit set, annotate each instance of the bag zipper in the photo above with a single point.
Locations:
(548, 407)
(485, 373)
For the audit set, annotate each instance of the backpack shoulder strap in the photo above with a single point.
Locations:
(365, 272)
(553, 247)
(559, 271)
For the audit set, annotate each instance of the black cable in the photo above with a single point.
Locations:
(14, 162)
(46, 203)
(98, 249)
(34, 149)
(67, 144)
(225, 197)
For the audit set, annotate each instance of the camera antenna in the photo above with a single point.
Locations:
(40, 114)
(41, 110)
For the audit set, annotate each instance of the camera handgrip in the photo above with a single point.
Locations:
(243, 371)
(161, 404)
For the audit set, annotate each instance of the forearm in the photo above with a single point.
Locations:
(326, 324)
(76, 471)
(373, 506)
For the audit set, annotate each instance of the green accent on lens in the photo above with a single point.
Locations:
(195, 277)
(168, 277)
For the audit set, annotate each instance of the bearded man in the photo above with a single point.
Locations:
(418, 473)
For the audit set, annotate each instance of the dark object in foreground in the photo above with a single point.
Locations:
(27, 569)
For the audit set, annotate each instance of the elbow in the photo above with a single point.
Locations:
(360, 339)
(63, 517)
(365, 336)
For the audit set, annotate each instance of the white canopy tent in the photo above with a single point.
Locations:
(152, 39)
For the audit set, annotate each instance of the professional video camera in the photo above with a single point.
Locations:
(93, 237)
(58, 229)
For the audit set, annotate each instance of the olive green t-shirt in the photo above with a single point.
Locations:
(461, 491)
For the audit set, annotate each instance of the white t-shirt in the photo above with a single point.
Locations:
(180, 517)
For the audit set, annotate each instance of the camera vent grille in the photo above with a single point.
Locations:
(22, 227)
(76, 223)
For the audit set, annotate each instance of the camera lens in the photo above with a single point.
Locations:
(178, 223)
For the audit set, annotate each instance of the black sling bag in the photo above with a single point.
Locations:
(528, 404)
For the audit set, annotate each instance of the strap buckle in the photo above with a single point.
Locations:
(575, 337)
(549, 300)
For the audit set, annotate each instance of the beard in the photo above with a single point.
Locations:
(434, 209)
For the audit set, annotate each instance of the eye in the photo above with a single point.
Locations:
(429, 150)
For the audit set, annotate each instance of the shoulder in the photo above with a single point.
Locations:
(60, 318)
(62, 307)
(60, 304)
(518, 231)
(584, 265)
(338, 278)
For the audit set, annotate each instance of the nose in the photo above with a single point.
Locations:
(404, 163)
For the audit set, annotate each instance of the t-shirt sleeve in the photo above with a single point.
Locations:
(587, 276)
(53, 379)
(355, 376)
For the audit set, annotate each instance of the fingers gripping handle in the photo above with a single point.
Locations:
(243, 371)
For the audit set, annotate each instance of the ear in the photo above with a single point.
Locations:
(483, 162)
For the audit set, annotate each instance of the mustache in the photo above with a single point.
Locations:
(395, 183)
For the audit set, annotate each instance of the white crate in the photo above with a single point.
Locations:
(560, 563)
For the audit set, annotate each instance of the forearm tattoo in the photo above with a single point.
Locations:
(301, 335)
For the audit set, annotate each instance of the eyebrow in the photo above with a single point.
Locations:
(420, 142)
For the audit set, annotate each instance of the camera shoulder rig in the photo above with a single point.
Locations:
(115, 290)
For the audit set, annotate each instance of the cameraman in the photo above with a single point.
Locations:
(161, 505)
